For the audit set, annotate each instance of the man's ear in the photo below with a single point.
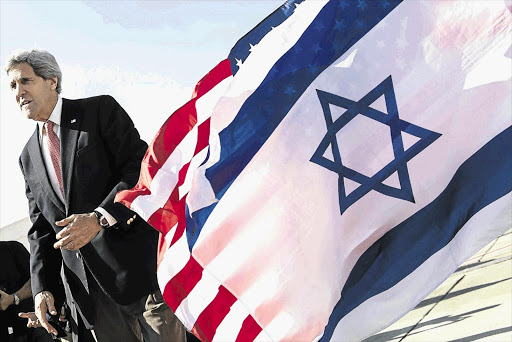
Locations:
(53, 83)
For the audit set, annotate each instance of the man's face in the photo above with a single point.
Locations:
(35, 96)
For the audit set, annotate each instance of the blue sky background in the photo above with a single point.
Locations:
(147, 54)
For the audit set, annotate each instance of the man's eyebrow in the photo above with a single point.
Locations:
(22, 79)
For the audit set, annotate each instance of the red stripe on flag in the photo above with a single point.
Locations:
(182, 121)
(214, 77)
(165, 218)
(158, 218)
(172, 133)
(126, 197)
(180, 286)
(208, 321)
(250, 329)
(185, 118)
(182, 175)
(203, 136)
(180, 230)
(174, 130)
(168, 138)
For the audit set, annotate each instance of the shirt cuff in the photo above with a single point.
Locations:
(110, 219)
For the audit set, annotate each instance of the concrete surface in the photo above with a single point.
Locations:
(473, 304)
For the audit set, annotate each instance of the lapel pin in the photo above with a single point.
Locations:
(73, 121)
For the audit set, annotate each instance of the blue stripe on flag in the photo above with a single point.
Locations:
(241, 49)
(338, 26)
(482, 179)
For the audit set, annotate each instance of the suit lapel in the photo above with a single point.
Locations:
(34, 150)
(70, 130)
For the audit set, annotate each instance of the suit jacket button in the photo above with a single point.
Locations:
(128, 222)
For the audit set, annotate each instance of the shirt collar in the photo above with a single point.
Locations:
(54, 117)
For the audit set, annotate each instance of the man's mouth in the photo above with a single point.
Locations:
(24, 104)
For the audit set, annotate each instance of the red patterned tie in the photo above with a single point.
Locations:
(54, 148)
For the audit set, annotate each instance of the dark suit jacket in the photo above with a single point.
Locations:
(101, 152)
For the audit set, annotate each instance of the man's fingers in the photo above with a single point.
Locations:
(47, 326)
(42, 321)
(26, 315)
(44, 302)
(51, 306)
(63, 233)
(62, 242)
(71, 242)
(32, 322)
(66, 221)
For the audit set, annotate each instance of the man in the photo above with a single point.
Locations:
(81, 154)
(16, 295)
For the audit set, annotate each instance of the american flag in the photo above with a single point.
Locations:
(341, 163)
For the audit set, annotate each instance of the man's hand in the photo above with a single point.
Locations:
(80, 230)
(6, 300)
(33, 321)
(43, 302)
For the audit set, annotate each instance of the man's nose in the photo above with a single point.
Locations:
(20, 90)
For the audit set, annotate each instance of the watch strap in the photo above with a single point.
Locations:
(16, 299)
(102, 221)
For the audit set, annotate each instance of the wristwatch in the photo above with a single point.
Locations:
(16, 299)
(101, 219)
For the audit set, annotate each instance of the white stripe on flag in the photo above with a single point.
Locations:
(201, 194)
(206, 103)
(194, 164)
(198, 299)
(376, 313)
(230, 326)
(204, 109)
(166, 178)
(263, 337)
(175, 258)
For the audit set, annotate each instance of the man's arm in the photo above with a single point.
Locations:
(45, 262)
(7, 299)
(25, 291)
(21, 260)
(125, 151)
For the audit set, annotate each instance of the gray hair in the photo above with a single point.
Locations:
(43, 63)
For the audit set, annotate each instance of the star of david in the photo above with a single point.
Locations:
(396, 125)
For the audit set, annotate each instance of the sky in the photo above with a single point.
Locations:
(147, 54)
